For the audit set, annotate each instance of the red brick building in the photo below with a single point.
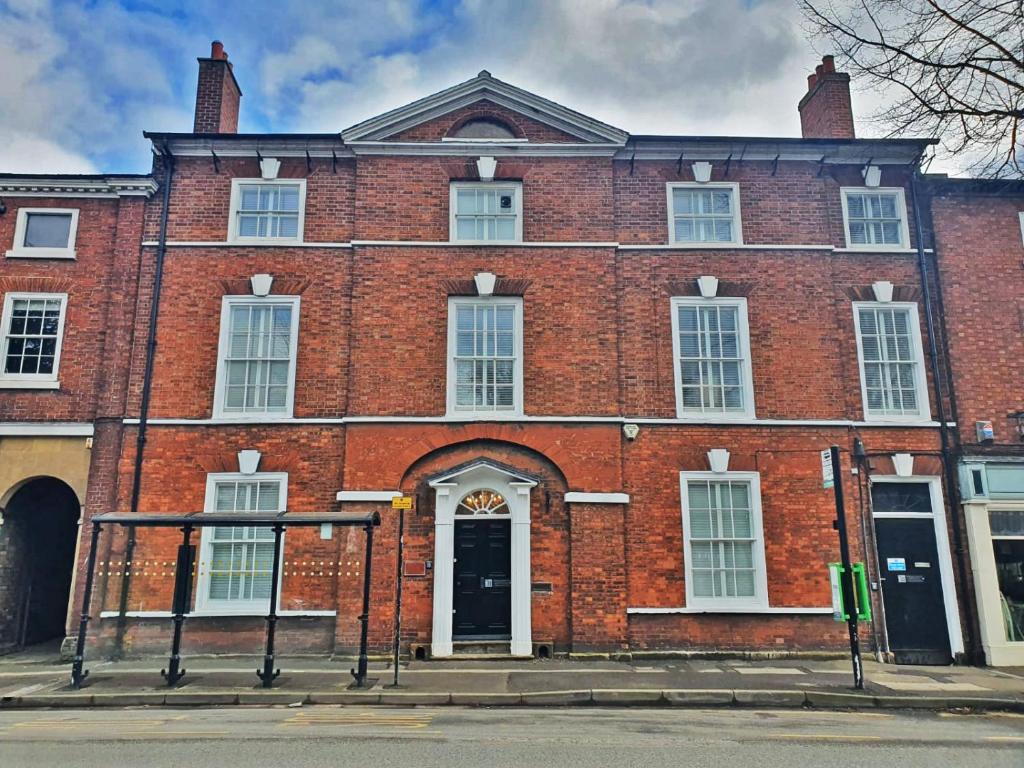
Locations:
(603, 365)
(71, 250)
(979, 242)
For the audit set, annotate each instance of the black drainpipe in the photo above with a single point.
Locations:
(949, 456)
(147, 384)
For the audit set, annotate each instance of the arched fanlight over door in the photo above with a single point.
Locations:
(483, 502)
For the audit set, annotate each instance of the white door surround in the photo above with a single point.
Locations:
(938, 516)
(449, 490)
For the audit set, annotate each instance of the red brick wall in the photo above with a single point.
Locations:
(97, 327)
(407, 198)
(981, 261)
(796, 206)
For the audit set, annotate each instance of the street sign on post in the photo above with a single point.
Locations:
(828, 476)
(846, 577)
(401, 503)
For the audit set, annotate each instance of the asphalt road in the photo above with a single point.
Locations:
(468, 738)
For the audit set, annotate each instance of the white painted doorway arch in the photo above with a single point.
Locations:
(449, 490)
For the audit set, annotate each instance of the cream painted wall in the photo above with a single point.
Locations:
(25, 458)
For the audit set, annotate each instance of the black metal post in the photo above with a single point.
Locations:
(268, 674)
(398, 590)
(364, 618)
(846, 580)
(78, 675)
(182, 599)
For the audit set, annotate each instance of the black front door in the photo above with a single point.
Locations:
(483, 580)
(915, 612)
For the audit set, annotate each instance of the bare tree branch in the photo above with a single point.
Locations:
(949, 68)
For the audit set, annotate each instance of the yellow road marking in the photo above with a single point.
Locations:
(1014, 739)
(819, 713)
(831, 736)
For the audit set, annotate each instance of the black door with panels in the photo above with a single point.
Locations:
(915, 610)
(483, 580)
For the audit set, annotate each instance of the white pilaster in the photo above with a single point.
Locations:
(444, 572)
(522, 621)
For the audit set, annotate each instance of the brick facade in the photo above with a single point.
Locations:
(596, 275)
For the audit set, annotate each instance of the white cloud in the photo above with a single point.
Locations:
(81, 82)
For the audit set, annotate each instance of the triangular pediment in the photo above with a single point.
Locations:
(453, 475)
(478, 95)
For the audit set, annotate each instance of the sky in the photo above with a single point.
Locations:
(82, 80)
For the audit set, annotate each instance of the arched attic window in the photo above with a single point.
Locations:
(483, 128)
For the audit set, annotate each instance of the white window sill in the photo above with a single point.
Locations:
(28, 384)
(899, 421)
(717, 418)
(731, 609)
(211, 614)
(41, 253)
(246, 418)
(875, 249)
(264, 241)
(485, 242)
(482, 416)
(710, 244)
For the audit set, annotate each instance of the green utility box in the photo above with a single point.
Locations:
(862, 596)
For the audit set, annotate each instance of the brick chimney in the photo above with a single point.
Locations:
(217, 95)
(825, 111)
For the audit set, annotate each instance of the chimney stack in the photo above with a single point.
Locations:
(217, 95)
(825, 110)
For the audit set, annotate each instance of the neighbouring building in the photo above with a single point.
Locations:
(603, 365)
(71, 250)
(979, 231)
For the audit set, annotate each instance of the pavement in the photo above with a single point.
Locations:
(38, 678)
(468, 737)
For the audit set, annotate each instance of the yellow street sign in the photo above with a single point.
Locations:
(401, 502)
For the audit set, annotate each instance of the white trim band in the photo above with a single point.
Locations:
(45, 429)
(210, 614)
(367, 495)
(579, 497)
(769, 610)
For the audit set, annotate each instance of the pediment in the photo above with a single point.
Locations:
(453, 475)
(539, 120)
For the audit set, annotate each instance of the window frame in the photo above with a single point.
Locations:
(901, 209)
(743, 328)
(236, 199)
(31, 380)
(920, 377)
(220, 386)
(203, 603)
(453, 189)
(737, 217)
(451, 409)
(20, 251)
(726, 604)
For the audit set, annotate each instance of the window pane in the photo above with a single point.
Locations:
(241, 558)
(711, 362)
(47, 230)
(890, 361)
(259, 357)
(722, 539)
(702, 215)
(485, 356)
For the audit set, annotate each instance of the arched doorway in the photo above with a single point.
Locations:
(38, 540)
(482, 558)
